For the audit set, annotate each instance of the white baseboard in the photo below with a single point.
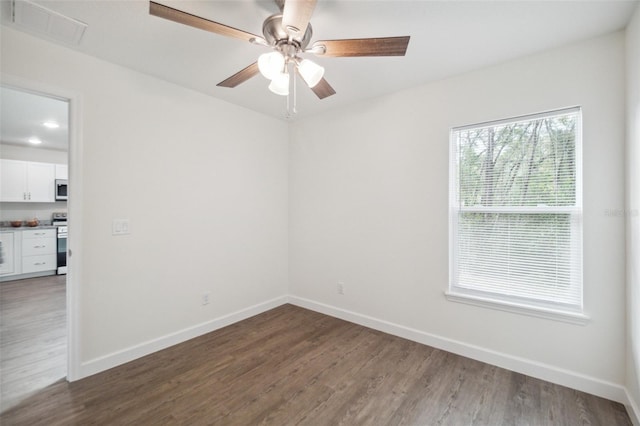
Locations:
(632, 409)
(129, 354)
(529, 367)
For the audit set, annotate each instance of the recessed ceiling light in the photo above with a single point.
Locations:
(35, 141)
(50, 124)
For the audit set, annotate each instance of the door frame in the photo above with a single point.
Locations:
(74, 209)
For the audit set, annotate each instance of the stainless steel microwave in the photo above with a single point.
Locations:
(61, 189)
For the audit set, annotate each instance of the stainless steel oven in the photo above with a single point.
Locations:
(60, 221)
(62, 250)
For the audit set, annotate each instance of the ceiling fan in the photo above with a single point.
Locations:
(288, 34)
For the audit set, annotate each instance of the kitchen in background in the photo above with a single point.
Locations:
(34, 137)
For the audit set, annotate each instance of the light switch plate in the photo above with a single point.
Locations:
(120, 227)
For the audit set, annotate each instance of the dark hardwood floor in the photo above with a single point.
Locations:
(33, 336)
(294, 366)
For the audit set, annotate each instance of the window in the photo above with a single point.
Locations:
(516, 214)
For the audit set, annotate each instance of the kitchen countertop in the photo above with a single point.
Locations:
(26, 228)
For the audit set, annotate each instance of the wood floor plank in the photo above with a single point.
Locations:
(285, 366)
(33, 340)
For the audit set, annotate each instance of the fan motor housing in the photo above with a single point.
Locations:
(275, 34)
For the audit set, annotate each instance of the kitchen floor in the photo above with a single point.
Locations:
(33, 337)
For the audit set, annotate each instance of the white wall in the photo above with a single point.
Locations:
(633, 212)
(204, 184)
(23, 211)
(369, 207)
(27, 153)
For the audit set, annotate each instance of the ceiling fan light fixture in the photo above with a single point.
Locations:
(311, 72)
(288, 33)
(280, 84)
(271, 64)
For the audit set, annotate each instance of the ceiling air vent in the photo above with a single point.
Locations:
(40, 20)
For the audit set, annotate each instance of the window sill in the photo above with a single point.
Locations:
(539, 312)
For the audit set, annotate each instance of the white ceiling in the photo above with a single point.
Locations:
(447, 38)
(22, 115)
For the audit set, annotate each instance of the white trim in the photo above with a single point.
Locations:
(535, 116)
(529, 367)
(74, 207)
(13, 277)
(120, 357)
(632, 409)
(501, 305)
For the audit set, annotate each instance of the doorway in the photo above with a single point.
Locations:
(37, 346)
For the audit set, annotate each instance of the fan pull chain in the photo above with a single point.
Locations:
(292, 102)
(295, 87)
(288, 113)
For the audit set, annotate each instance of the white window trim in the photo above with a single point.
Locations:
(518, 308)
(503, 304)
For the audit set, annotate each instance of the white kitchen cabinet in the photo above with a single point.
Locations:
(11, 260)
(38, 250)
(40, 263)
(40, 182)
(62, 171)
(13, 180)
(26, 181)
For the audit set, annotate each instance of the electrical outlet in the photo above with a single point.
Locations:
(205, 298)
(340, 287)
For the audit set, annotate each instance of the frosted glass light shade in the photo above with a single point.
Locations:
(311, 72)
(280, 84)
(270, 64)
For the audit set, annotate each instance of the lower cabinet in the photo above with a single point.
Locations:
(29, 251)
(38, 250)
(9, 253)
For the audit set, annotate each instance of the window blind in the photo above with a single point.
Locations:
(516, 228)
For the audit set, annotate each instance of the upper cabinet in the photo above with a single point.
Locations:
(13, 180)
(26, 181)
(62, 171)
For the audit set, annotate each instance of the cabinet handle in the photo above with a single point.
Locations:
(43, 246)
(39, 263)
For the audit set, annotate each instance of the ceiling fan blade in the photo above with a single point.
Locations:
(382, 46)
(241, 76)
(166, 12)
(323, 89)
(296, 15)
